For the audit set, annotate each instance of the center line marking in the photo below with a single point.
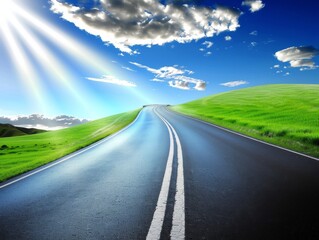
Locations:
(178, 221)
(154, 233)
(178, 228)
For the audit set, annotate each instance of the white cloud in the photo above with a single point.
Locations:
(168, 72)
(254, 33)
(276, 66)
(187, 79)
(179, 84)
(254, 44)
(208, 44)
(200, 86)
(228, 38)
(254, 5)
(298, 57)
(189, 71)
(234, 83)
(112, 80)
(42, 122)
(157, 80)
(128, 69)
(177, 77)
(302, 63)
(202, 49)
(125, 24)
(163, 72)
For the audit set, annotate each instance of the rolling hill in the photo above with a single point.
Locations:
(8, 130)
(283, 114)
(23, 153)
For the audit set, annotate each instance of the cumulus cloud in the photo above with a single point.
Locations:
(179, 84)
(208, 44)
(200, 86)
(228, 38)
(112, 80)
(254, 5)
(177, 76)
(298, 57)
(254, 33)
(125, 24)
(42, 122)
(234, 83)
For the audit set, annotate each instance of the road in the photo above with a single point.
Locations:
(167, 176)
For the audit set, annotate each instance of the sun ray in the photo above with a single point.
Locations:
(4, 11)
(50, 63)
(23, 66)
(33, 31)
(78, 51)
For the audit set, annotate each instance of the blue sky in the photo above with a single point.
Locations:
(91, 59)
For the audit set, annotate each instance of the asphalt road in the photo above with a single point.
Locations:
(167, 176)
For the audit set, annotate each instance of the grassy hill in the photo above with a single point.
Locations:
(8, 130)
(285, 115)
(23, 153)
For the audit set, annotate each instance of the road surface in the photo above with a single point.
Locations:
(167, 176)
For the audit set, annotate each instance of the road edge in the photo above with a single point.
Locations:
(64, 158)
(243, 135)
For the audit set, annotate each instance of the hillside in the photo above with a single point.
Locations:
(8, 130)
(286, 115)
(23, 153)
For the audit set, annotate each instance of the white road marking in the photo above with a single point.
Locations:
(178, 227)
(155, 229)
(178, 222)
(242, 135)
(63, 159)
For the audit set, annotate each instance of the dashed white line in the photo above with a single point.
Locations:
(178, 221)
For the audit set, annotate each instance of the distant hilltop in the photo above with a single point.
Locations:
(8, 130)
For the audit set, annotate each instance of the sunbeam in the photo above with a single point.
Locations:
(23, 66)
(45, 57)
(78, 51)
(50, 63)
(5, 7)
(14, 24)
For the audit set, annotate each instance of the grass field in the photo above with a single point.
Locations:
(23, 153)
(285, 115)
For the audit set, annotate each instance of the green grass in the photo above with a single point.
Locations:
(24, 153)
(286, 115)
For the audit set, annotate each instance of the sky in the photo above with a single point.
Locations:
(83, 59)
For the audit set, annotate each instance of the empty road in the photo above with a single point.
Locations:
(167, 176)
